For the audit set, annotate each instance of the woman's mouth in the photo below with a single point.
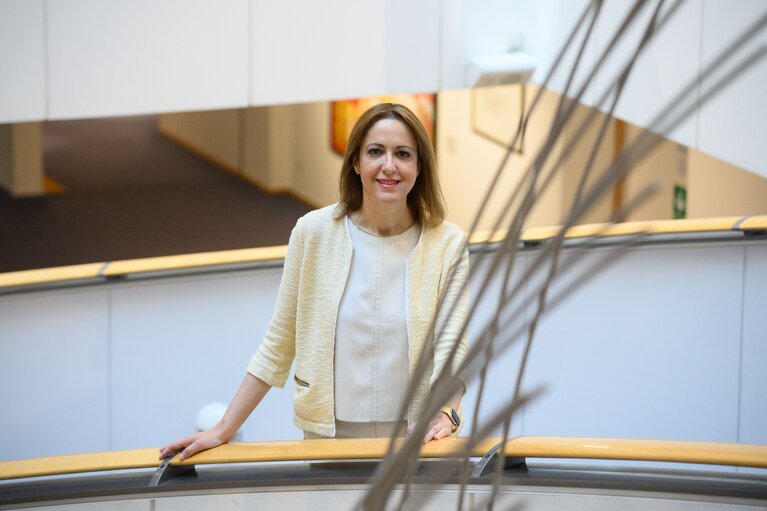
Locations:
(388, 183)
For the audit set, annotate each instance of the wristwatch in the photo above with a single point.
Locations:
(452, 414)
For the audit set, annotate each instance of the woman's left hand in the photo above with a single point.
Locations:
(439, 427)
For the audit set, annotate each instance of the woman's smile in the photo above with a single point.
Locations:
(388, 184)
(388, 162)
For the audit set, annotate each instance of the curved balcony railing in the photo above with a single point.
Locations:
(706, 453)
(739, 227)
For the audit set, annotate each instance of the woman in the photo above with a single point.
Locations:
(361, 284)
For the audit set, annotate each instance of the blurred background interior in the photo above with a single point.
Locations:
(132, 129)
(174, 173)
(151, 185)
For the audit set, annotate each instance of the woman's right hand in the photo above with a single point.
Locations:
(250, 393)
(192, 444)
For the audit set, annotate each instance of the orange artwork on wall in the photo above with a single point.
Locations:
(345, 113)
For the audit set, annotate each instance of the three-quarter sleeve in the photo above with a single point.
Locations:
(274, 357)
(453, 312)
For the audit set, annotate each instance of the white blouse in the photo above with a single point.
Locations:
(371, 350)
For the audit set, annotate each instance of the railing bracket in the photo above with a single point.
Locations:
(487, 464)
(165, 471)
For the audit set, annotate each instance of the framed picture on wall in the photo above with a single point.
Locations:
(496, 113)
(345, 113)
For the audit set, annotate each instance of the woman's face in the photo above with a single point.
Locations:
(388, 162)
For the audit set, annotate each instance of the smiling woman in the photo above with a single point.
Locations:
(388, 167)
(372, 300)
(389, 141)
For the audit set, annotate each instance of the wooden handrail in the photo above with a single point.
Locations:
(103, 270)
(705, 453)
(184, 261)
(754, 223)
(632, 228)
(47, 275)
(710, 453)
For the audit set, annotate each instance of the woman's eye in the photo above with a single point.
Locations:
(404, 154)
(374, 151)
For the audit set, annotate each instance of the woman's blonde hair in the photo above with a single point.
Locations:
(425, 200)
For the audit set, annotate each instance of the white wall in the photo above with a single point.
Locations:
(731, 122)
(86, 58)
(753, 423)
(54, 373)
(483, 27)
(22, 61)
(169, 358)
(700, 30)
(640, 341)
(121, 58)
(554, 21)
(668, 62)
(650, 348)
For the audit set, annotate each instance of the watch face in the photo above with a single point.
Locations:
(455, 417)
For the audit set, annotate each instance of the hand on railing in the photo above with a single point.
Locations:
(192, 444)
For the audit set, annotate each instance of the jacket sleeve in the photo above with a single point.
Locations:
(274, 357)
(453, 312)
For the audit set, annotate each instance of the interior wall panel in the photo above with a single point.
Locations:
(146, 56)
(311, 51)
(733, 121)
(555, 20)
(411, 46)
(648, 348)
(179, 344)
(753, 397)
(506, 351)
(22, 60)
(668, 63)
(54, 385)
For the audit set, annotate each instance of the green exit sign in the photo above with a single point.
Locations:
(680, 201)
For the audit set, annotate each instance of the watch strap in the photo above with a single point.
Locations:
(452, 414)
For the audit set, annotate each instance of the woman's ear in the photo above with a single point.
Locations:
(356, 165)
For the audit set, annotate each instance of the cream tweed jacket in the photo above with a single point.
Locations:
(317, 265)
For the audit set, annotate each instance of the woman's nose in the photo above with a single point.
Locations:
(388, 163)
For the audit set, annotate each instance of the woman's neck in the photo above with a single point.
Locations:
(383, 220)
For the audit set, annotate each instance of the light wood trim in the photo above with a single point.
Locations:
(521, 447)
(176, 262)
(78, 463)
(327, 449)
(689, 225)
(353, 449)
(250, 255)
(46, 275)
(754, 223)
(707, 453)
(487, 236)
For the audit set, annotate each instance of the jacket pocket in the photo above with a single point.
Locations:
(300, 382)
